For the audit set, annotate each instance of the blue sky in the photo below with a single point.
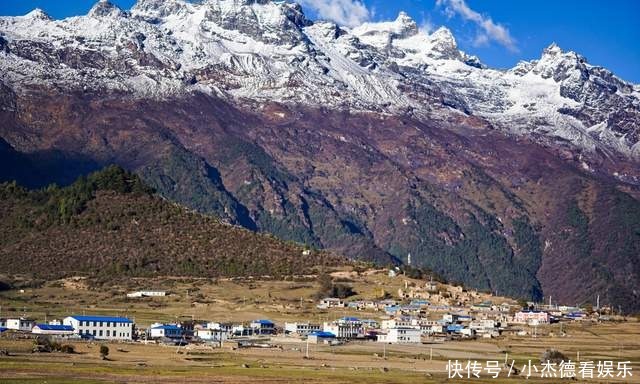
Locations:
(499, 32)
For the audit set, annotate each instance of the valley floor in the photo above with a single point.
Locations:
(350, 363)
(225, 300)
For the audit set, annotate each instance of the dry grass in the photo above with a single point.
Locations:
(227, 300)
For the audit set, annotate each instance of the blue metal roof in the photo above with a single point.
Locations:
(350, 319)
(322, 334)
(168, 327)
(51, 327)
(2, 329)
(264, 322)
(102, 318)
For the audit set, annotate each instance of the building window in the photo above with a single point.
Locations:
(94, 332)
(107, 323)
(80, 323)
(108, 333)
(101, 323)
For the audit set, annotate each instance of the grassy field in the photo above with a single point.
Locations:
(350, 363)
(226, 300)
(198, 298)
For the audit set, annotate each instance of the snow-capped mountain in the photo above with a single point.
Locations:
(264, 50)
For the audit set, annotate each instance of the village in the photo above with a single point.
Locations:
(384, 324)
(419, 313)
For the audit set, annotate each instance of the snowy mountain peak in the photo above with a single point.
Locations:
(553, 49)
(559, 64)
(443, 45)
(444, 35)
(154, 9)
(38, 14)
(405, 25)
(382, 33)
(268, 50)
(105, 8)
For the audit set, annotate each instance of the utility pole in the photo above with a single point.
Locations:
(307, 353)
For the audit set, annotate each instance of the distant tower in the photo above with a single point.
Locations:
(409, 259)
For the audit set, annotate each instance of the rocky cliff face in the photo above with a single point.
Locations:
(375, 142)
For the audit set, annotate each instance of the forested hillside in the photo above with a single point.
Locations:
(110, 223)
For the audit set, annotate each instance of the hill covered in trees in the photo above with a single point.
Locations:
(110, 223)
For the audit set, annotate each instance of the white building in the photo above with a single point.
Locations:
(426, 327)
(301, 329)
(52, 329)
(482, 325)
(396, 323)
(320, 337)
(20, 324)
(263, 327)
(331, 302)
(170, 331)
(531, 317)
(146, 294)
(431, 329)
(400, 336)
(241, 330)
(370, 324)
(210, 334)
(224, 327)
(345, 328)
(101, 327)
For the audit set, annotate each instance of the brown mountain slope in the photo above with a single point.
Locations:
(98, 228)
(480, 207)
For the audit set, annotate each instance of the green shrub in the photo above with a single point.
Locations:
(104, 351)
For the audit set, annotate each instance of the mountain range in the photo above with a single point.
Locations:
(375, 142)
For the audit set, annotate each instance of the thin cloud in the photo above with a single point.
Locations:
(350, 13)
(488, 29)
